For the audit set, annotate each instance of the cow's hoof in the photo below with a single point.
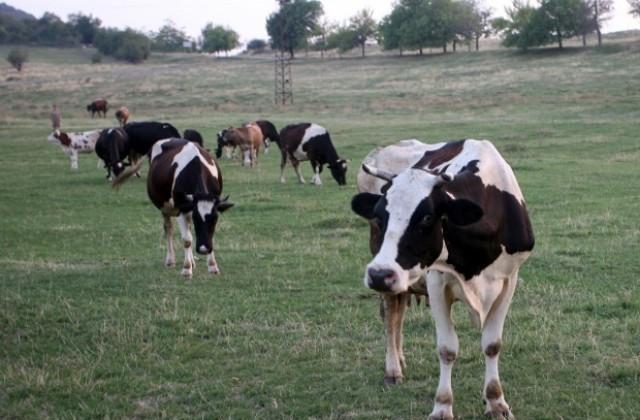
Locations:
(170, 265)
(504, 414)
(442, 415)
(186, 273)
(392, 380)
(214, 270)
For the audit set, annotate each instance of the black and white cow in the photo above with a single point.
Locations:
(456, 217)
(185, 182)
(115, 151)
(307, 141)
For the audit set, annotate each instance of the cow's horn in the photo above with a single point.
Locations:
(378, 173)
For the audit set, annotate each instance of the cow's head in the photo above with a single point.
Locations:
(410, 215)
(221, 142)
(204, 210)
(339, 171)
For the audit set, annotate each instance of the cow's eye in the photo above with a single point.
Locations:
(426, 221)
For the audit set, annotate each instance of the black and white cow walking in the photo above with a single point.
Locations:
(307, 141)
(185, 182)
(456, 217)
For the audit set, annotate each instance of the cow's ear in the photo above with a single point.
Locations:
(463, 212)
(362, 204)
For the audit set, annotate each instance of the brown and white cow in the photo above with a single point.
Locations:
(307, 141)
(248, 138)
(122, 115)
(458, 218)
(269, 132)
(74, 143)
(100, 105)
(185, 182)
(393, 159)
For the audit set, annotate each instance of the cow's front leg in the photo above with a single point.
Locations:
(74, 159)
(170, 261)
(492, 395)
(393, 310)
(316, 174)
(184, 221)
(211, 262)
(440, 300)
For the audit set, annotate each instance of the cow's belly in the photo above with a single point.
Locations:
(298, 154)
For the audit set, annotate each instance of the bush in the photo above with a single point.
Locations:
(96, 58)
(17, 58)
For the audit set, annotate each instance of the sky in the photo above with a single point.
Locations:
(246, 17)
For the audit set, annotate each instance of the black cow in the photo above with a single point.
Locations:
(457, 221)
(194, 136)
(185, 182)
(307, 141)
(139, 138)
(114, 149)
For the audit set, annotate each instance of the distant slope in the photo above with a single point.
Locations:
(5, 9)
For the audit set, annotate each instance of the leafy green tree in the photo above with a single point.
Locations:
(601, 10)
(85, 26)
(168, 38)
(635, 8)
(17, 58)
(290, 27)
(364, 27)
(512, 29)
(217, 39)
(391, 30)
(128, 45)
(51, 30)
(257, 45)
(342, 38)
(564, 18)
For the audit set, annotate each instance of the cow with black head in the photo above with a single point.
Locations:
(185, 182)
(307, 141)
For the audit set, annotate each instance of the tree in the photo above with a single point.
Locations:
(290, 27)
(364, 27)
(17, 58)
(564, 18)
(85, 26)
(635, 8)
(168, 38)
(600, 9)
(257, 45)
(127, 45)
(342, 38)
(217, 38)
(51, 30)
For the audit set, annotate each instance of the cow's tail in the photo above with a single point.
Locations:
(128, 172)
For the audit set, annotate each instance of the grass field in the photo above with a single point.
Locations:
(93, 326)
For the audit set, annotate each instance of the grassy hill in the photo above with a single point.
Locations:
(93, 325)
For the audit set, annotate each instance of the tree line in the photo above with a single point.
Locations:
(412, 25)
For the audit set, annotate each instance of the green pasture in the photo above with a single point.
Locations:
(92, 325)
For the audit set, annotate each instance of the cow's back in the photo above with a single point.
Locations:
(142, 135)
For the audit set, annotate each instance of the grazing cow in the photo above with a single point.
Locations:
(100, 106)
(269, 132)
(72, 143)
(393, 159)
(456, 217)
(185, 182)
(113, 148)
(122, 115)
(194, 136)
(307, 141)
(247, 138)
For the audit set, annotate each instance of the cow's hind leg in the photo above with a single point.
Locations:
(170, 261)
(296, 167)
(184, 221)
(74, 159)
(392, 310)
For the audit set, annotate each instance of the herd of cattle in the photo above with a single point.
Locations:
(447, 221)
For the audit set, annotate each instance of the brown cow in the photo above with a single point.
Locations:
(99, 105)
(122, 115)
(249, 139)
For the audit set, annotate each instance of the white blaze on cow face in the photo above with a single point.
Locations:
(407, 191)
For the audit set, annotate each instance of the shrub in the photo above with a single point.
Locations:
(17, 58)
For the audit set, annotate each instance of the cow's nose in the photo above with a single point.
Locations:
(381, 280)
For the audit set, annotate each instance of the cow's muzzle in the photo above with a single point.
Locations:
(381, 280)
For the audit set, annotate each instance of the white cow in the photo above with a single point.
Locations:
(72, 143)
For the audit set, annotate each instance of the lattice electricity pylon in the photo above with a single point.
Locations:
(284, 85)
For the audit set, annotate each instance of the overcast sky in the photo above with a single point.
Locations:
(247, 17)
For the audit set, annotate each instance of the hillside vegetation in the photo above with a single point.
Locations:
(93, 326)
